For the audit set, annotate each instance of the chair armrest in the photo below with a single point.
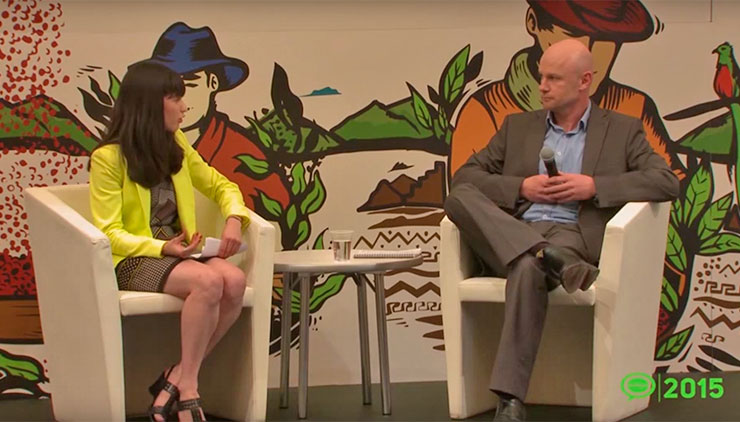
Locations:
(259, 256)
(456, 259)
(634, 244)
(627, 299)
(77, 291)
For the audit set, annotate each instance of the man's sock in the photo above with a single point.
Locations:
(537, 250)
(506, 396)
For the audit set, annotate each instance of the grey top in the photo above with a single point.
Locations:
(322, 261)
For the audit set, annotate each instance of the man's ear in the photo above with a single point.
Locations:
(530, 21)
(587, 78)
(212, 81)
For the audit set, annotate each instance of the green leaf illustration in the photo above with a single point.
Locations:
(327, 289)
(256, 168)
(442, 119)
(719, 244)
(319, 295)
(318, 243)
(711, 221)
(291, 215)
(674, 344)
(272, 206)
(21, 366)
(263, 136)
(454, 75)
(115, 85)
(713, 139)
(697, 194)
(315, 198)
(668, 296)
(676, 212)
(304, 229)
(675, 250)
(421, 109)
(299, 179)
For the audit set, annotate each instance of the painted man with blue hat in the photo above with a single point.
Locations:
(194, 54)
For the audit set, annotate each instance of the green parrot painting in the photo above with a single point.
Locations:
(717, 138)
(727, 76)
(726, 86)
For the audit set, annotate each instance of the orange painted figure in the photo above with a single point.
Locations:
(602, 25)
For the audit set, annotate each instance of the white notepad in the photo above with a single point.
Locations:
(210, 248)
(372, 253)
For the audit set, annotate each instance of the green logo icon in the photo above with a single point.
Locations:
(637, 385)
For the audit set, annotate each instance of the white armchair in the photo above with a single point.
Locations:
(105, 346)
(591, 338)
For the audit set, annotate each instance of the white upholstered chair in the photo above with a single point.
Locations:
(106, 346)
(591, 339)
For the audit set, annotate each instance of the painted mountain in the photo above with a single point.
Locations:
(426, 191)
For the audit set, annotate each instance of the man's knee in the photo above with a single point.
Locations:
(459, 196)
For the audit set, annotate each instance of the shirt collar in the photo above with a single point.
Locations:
(582, 123)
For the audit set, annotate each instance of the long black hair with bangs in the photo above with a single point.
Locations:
(137, 123)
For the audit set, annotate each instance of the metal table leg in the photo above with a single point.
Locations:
(303, 355)
(285, 339)
(360, 280)
(385, 385)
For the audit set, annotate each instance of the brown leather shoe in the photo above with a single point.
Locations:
(510, 410)
(572, 272)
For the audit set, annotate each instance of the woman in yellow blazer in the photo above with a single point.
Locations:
(141, 195)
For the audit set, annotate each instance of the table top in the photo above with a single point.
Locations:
(322, 261)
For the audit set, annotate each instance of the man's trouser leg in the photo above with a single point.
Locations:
(495, 236)
(502, 241)
(525, 310)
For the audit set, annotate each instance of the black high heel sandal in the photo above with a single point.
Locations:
(195, 406)
(161, 384)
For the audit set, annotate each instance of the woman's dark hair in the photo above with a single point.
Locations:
(137, 123)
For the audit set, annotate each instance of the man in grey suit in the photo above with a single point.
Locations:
(541, 231)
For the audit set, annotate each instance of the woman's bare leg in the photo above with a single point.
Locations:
(232, 299)
(202, 289)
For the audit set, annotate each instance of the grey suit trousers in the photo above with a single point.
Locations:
(502, 244)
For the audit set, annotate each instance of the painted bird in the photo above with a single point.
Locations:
(727, 85)
(727, 75)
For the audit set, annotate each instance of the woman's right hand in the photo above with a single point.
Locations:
(177, 247)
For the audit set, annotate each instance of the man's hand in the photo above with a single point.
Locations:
(177, 247)
(567, 187)
(231, 238)
(533, 189)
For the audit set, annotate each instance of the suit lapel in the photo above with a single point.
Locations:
(595, 134)
(535, 138)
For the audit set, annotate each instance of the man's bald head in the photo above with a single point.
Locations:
(570, 55)
(566, 73)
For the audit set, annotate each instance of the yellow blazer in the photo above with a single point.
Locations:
(121, 208)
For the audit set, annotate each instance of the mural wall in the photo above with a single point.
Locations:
(355, 115)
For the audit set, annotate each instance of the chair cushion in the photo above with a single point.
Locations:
(145, 303)
(493, 289)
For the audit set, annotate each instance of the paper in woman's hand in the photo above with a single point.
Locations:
(210, 248)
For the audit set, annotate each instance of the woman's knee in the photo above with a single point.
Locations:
(235, 282)
(208, 284)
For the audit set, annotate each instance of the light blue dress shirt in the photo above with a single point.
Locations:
(568, 147)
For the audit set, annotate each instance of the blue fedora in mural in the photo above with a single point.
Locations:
(186, 50)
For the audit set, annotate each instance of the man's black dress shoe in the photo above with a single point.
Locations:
(510, 410)
(572, 272)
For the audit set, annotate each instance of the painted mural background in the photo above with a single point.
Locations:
(336, 123)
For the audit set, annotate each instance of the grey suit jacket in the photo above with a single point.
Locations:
(624, 167)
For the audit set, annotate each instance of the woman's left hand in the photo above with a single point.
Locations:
(231, 238)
